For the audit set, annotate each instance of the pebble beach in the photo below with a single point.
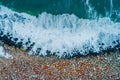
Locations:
(22, 66)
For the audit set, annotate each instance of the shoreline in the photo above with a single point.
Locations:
(23, 66)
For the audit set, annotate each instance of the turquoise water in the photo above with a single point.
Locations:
(65, 28)
(78, 7)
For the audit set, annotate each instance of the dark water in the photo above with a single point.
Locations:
(78, 7)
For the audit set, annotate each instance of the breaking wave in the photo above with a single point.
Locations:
(61, 35)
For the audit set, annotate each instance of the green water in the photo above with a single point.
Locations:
(51, 6)
(77, 7)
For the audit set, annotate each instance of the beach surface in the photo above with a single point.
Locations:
(22, 66)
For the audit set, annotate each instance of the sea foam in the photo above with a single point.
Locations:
(61, 35)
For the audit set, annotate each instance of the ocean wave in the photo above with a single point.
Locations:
(61, 35)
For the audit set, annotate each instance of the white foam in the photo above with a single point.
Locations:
(61, 33)
(3, 54)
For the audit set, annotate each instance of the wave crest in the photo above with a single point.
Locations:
(61, 35)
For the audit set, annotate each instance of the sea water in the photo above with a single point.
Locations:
(64, 28)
